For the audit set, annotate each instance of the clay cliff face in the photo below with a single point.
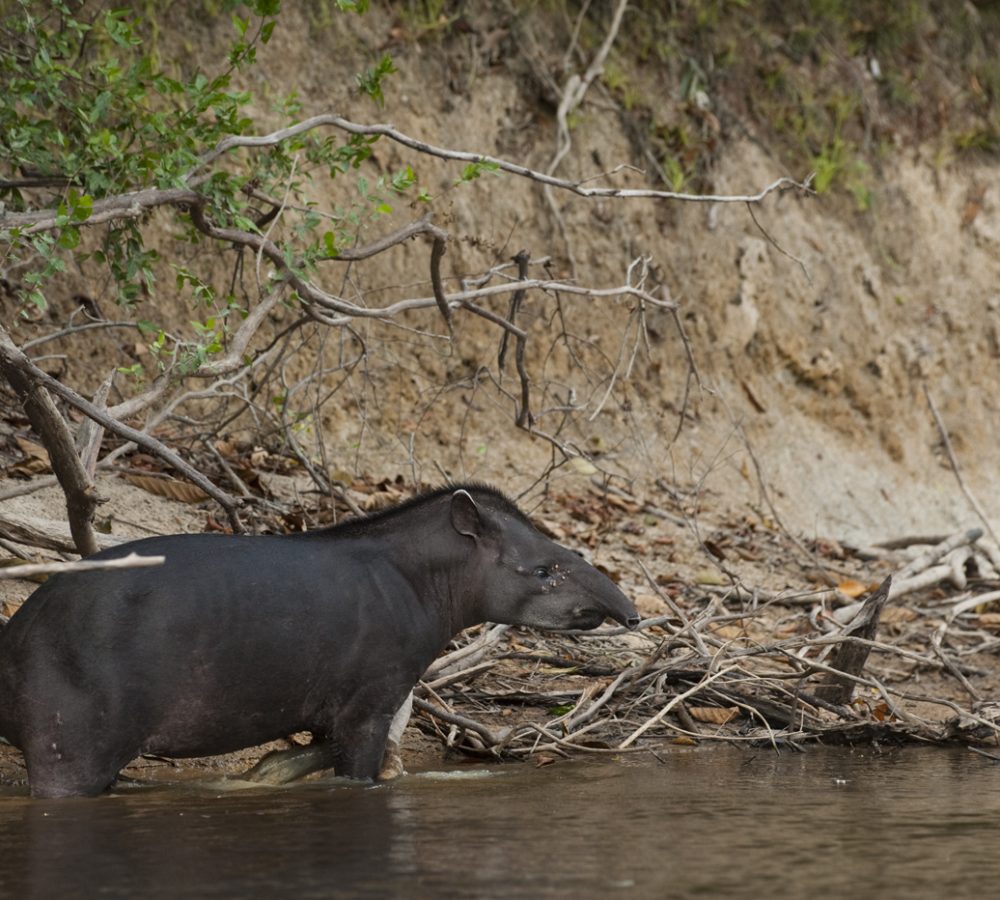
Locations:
(815, 329)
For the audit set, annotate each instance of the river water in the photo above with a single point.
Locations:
(721, 823)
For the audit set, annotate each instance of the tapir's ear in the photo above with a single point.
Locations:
(465, 515)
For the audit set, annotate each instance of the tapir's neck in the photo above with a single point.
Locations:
(437, 562)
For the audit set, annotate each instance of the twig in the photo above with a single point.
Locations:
(445, 715)
(992, 756)
(473, 650)
(572, 96)
(679, 698)
(775, 244)
(460, 675)
(953, 462)
(688, 626)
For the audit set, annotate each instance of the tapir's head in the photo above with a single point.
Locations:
(527, 579)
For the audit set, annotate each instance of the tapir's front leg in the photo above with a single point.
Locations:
(283, 766)
(360, 746)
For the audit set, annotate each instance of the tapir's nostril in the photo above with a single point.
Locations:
(632, 622)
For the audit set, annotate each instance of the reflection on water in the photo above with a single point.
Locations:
(826, 823)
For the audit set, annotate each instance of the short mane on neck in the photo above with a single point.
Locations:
(491, 497)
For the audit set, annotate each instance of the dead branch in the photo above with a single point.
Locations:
(953, 462)
(445, 715)
(130, 205)
(385, 130)
(932, 555)
(14, 359)
(45, 535)
(679, 698)
(849, 658)
(467, 655)
(524, 418)
(77, 484)
(132, 561)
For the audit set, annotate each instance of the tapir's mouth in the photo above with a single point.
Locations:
(591, 618)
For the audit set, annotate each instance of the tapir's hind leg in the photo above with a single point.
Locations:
(282, 766)
(54, 772)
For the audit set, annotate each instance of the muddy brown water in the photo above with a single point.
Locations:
(825, 823)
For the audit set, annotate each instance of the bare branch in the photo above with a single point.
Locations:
(524, 417)
(77, 484)
(420, 226)
(953, 462)
(10, 355)
(386, 130)
(437, 252)
(121, 206)
(132, 561)
(572, 96)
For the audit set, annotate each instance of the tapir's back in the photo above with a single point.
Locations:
(204, 576)
(226, 623)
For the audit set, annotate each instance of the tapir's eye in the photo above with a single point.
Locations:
(541, 572)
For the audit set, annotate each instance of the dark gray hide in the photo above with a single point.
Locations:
(240, 640)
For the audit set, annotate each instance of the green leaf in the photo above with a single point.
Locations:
(69, 237)
(119, 29)
(370, 81)
(82, 206)
(473, 170)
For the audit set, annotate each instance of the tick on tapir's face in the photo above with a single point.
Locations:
(551, 576)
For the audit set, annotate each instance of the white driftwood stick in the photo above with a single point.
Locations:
(914, 583)
(985, 565)
(992, 551)
(446, 664)
(957, 559)
(132, 561)
(934, 554)
(971, 603)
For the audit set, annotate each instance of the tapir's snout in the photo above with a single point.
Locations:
(618, 606)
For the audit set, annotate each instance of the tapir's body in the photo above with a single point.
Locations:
(240, 640)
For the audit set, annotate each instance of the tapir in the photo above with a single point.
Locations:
(237, 640)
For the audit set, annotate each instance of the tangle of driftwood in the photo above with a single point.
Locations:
(681, 682)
